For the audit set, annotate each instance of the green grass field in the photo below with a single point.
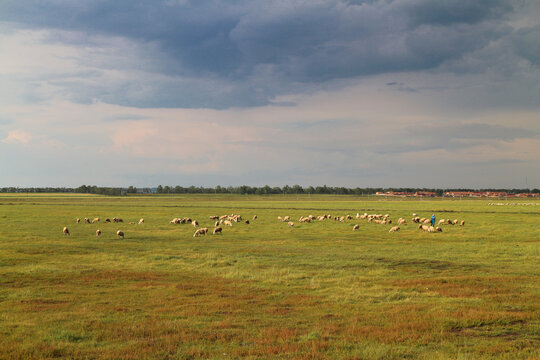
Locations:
(264, 290)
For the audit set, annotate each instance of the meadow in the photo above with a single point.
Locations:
(264, 290)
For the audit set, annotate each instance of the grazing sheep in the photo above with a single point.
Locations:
(96, 220)
(195, 223)
(402, 221)
(78, 220)
(414, 215)
(423, 227)
(287, 218)
(348, 217)
(441, 222)
(280, 218)
(254, 217)
(427, 221)
(235, 218)
(201, 231)
(438, 229)
(107, 220)
(217, 224)
(455, 222)
(462, 223)
(120, 234)
(86, 220)
(449, 222)
(214, 217)
(175, 221)
(217, 229)
(227, 222)
(117, 220)
(393, 229)
(66, 231)
(290, 223)
(141, 221)
(356, 227)
(98, 233)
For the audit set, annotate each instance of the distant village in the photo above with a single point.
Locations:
(460, 194)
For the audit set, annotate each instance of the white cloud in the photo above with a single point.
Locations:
(17, 136)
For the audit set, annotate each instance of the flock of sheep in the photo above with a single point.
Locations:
(119, 233)
(225, 220)
(424, 224)
(377, 219)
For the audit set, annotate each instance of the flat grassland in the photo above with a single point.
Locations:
(265, 290)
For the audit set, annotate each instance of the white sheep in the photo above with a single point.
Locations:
(201, 231)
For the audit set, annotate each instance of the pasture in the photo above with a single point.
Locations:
(265, 290)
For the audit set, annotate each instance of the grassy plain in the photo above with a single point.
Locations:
(264, 290)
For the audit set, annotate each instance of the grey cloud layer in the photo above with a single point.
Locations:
(243, 53)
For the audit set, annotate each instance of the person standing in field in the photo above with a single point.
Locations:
(432, 219)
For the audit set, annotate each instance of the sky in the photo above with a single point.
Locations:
(355, 93)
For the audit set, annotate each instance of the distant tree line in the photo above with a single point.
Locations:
(244, 189)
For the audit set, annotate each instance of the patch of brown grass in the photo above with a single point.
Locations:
(464, 286)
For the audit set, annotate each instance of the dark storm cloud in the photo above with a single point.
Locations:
(263, 49)
(527, 44)
(448, 12)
